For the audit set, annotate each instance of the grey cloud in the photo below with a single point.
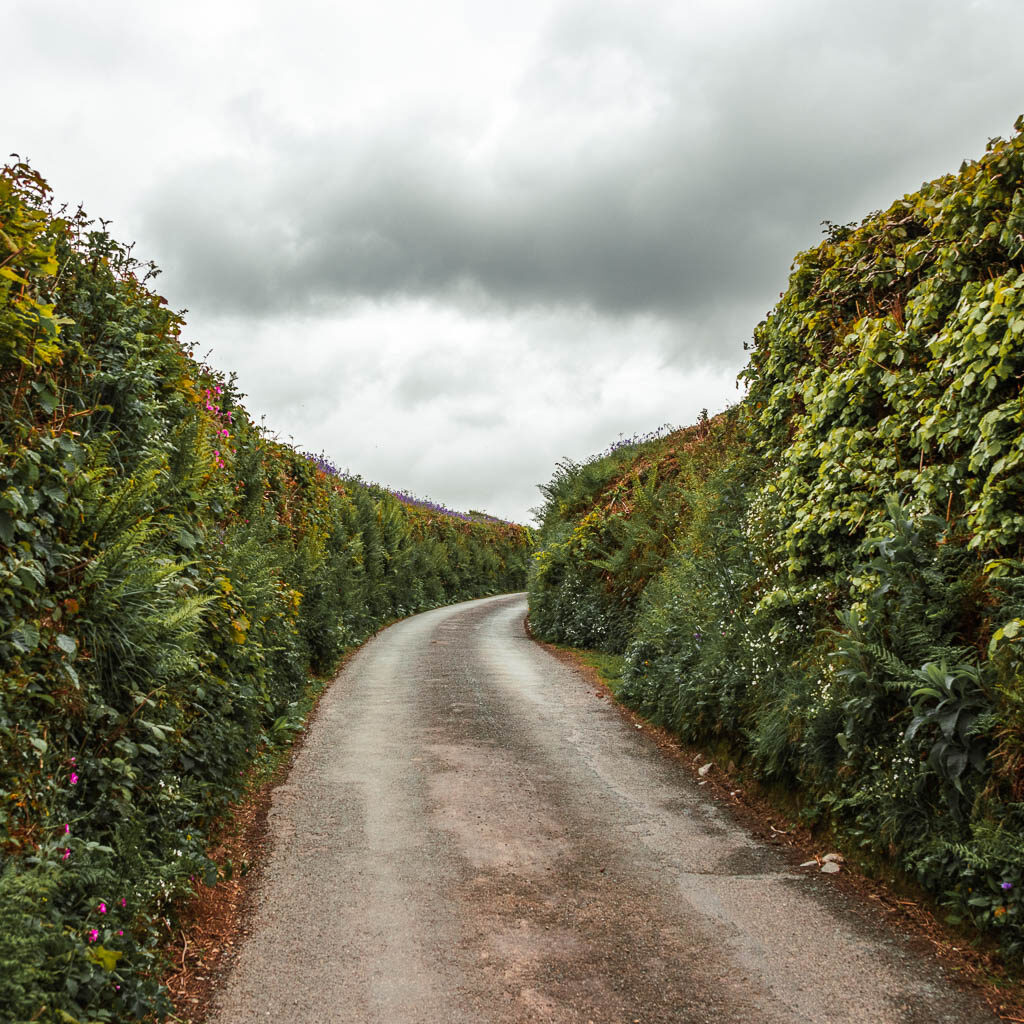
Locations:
(697, 206)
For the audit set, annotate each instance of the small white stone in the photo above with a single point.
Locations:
(704, 769)
(830, 867)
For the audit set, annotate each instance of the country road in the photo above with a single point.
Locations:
(469, 835)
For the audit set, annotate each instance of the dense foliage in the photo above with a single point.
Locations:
(828, 580)
(169, 576)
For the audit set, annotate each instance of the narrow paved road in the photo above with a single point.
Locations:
(469, 835)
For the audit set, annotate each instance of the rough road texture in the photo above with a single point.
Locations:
(468, 835)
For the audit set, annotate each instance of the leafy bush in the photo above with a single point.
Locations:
(828, 579)
(169, 576)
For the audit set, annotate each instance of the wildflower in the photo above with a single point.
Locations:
(72, 760)
(74, 779)
(102, 908)
(94, 935)
(66, 853)
(999, 911)
(1006, 886)
(67, 829)
(124, 902)
(120, 931)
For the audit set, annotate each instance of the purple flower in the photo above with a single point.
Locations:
(94, 935)
(1006, 886)
(102, 908)
(66, 853)
(74, 779)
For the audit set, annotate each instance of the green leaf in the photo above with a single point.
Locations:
(25, 637)
(106, 958)
(67, 643)
(47, 400)
(11, 275)
(159, 731)
(39, 743)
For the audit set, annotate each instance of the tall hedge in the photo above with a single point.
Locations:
(837, 598)
(169, 577)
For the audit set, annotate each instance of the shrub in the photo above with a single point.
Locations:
(827, 579)
(169, 576)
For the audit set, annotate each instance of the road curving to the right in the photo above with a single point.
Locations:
(468, 835)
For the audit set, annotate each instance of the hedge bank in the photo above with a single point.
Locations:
(169, 578)
(828, 579)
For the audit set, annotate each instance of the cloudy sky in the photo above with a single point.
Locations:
(452, 242)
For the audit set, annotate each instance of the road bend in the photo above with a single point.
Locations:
(469, 834)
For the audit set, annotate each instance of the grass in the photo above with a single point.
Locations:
(607, 666)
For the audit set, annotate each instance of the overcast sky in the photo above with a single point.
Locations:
(452, 242)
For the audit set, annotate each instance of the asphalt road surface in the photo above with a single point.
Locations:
(469, 835)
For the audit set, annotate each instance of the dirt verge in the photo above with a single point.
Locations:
(211, 925)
